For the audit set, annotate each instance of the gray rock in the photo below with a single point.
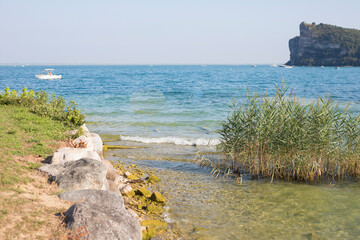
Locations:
(111, 172)
(112, 187)
(126, 189)
(82, 174)
(52, 169)
(94, 196)
(72, 154)
(121, 180)
(103, 215)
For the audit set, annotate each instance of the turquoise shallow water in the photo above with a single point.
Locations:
(179, 104)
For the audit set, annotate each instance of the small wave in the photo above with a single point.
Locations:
(174, 140)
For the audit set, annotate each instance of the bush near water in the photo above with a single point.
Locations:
(281, 138)
(41, 104)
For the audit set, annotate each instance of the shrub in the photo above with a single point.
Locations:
(40, 104)
(282, 138)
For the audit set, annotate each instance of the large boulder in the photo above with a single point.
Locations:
(103, 214)
(72, 154)
(82, 174)
(94, 196)
(52, 169)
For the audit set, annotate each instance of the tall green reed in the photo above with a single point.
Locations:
(281, 138)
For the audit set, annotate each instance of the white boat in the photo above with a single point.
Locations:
(273, 65)
(286, 66)
(253, 65)
(49, 75)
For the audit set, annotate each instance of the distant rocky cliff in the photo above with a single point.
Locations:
(325, 45)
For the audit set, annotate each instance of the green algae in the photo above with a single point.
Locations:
(157, 197)
(132, 176)
(108, 136)
(153, 179)
(159, 224)
(153, 227)
(155, 209)
(143, 192)
(111, 140)
(129, 194)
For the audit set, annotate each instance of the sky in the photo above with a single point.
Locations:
(160, 31)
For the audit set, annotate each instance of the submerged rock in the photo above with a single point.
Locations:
(103, 214)
(152, 208)
(153, 227)
(131, 176)
(153, 179)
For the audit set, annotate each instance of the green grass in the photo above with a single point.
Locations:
(280, 138)
(24, 133)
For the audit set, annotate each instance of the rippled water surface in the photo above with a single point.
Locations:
(202, 206)
(178, 104)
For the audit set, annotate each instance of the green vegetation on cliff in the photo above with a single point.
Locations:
(326, 45)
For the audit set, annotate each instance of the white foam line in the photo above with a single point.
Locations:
(174, 140)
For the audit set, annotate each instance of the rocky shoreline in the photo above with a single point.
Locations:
(106, 206)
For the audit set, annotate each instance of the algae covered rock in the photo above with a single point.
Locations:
(143, 192)
(152, 208)
(131, 176)
(153, 227)
(153, 179)
(127, 191)
(157, 197)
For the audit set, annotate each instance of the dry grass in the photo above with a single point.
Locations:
(31, 210)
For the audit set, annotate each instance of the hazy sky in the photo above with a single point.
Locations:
(160, 31)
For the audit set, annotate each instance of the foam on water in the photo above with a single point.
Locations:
(174, 140)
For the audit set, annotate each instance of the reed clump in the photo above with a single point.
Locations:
(281, 138)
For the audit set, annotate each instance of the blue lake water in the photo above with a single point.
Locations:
(178, 104)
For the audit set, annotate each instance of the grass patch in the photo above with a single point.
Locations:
(25, 133)
(31, 128)
(280, 138)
